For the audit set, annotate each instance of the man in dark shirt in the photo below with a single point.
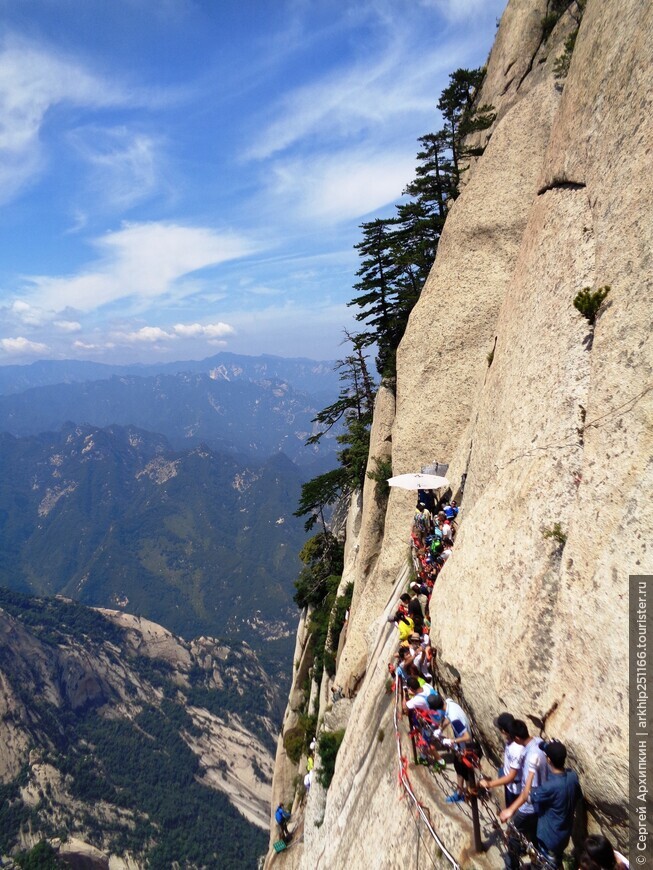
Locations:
(415, 609)
(555, 801)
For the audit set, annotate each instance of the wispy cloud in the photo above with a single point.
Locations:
(458, 10)
(33, 80)
(342, 105)
(148, 334)
(373, 92)
(143, 261)
(126, 165)
(343, 185)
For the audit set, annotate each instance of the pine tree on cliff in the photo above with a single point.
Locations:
(354, 405)
(433, 182)
(455, 100)
(377, 288)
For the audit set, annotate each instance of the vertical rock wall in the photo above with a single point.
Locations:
(549, 418)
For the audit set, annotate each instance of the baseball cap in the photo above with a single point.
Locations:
(555, 751)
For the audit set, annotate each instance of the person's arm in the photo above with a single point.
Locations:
(502, 780)
(519, 801)
(541, 797)
(462, 738)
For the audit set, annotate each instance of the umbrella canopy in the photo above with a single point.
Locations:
(418, 481)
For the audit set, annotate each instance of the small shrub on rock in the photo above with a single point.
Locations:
(588, 302)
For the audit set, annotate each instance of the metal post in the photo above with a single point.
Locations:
(411, 724)
(476, 824)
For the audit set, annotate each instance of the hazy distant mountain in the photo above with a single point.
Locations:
(198, 541)
(311, 376)
(254, 417)
(130, 740)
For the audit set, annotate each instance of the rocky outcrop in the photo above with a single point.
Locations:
(62, 664)
(546, 423)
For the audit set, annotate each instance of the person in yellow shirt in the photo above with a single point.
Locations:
(405, 627)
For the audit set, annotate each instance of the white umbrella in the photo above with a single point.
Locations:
(418, 481)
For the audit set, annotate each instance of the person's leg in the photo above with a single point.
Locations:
(526, 825)
(553, 859)
(460, 769)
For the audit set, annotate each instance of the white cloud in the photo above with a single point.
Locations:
(28, 314)
(218, 330)
(68, 325)
(209, 330)
(144, 261)
(83, 345)
(188, 330)
(152, 334)
(342, 186)
(32, 81)
(146, 333)
(21, 345)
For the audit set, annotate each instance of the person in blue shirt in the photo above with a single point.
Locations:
(555, 802)
(281, 817)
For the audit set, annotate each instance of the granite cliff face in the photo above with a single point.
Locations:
(546, 423)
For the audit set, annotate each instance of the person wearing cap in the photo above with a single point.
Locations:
(555, 801)
(422, 521)
(427, 498)
(522, 812)
(513, 755)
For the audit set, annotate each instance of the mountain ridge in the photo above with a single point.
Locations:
(305, 374)
(196, 540)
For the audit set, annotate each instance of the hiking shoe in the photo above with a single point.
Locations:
(454, 798)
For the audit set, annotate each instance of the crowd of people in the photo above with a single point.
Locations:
(540, 792)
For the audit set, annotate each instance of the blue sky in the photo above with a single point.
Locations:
(183, 176)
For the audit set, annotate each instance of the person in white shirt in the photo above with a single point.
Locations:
(513, 756)
(418, 695)
(535, 772)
